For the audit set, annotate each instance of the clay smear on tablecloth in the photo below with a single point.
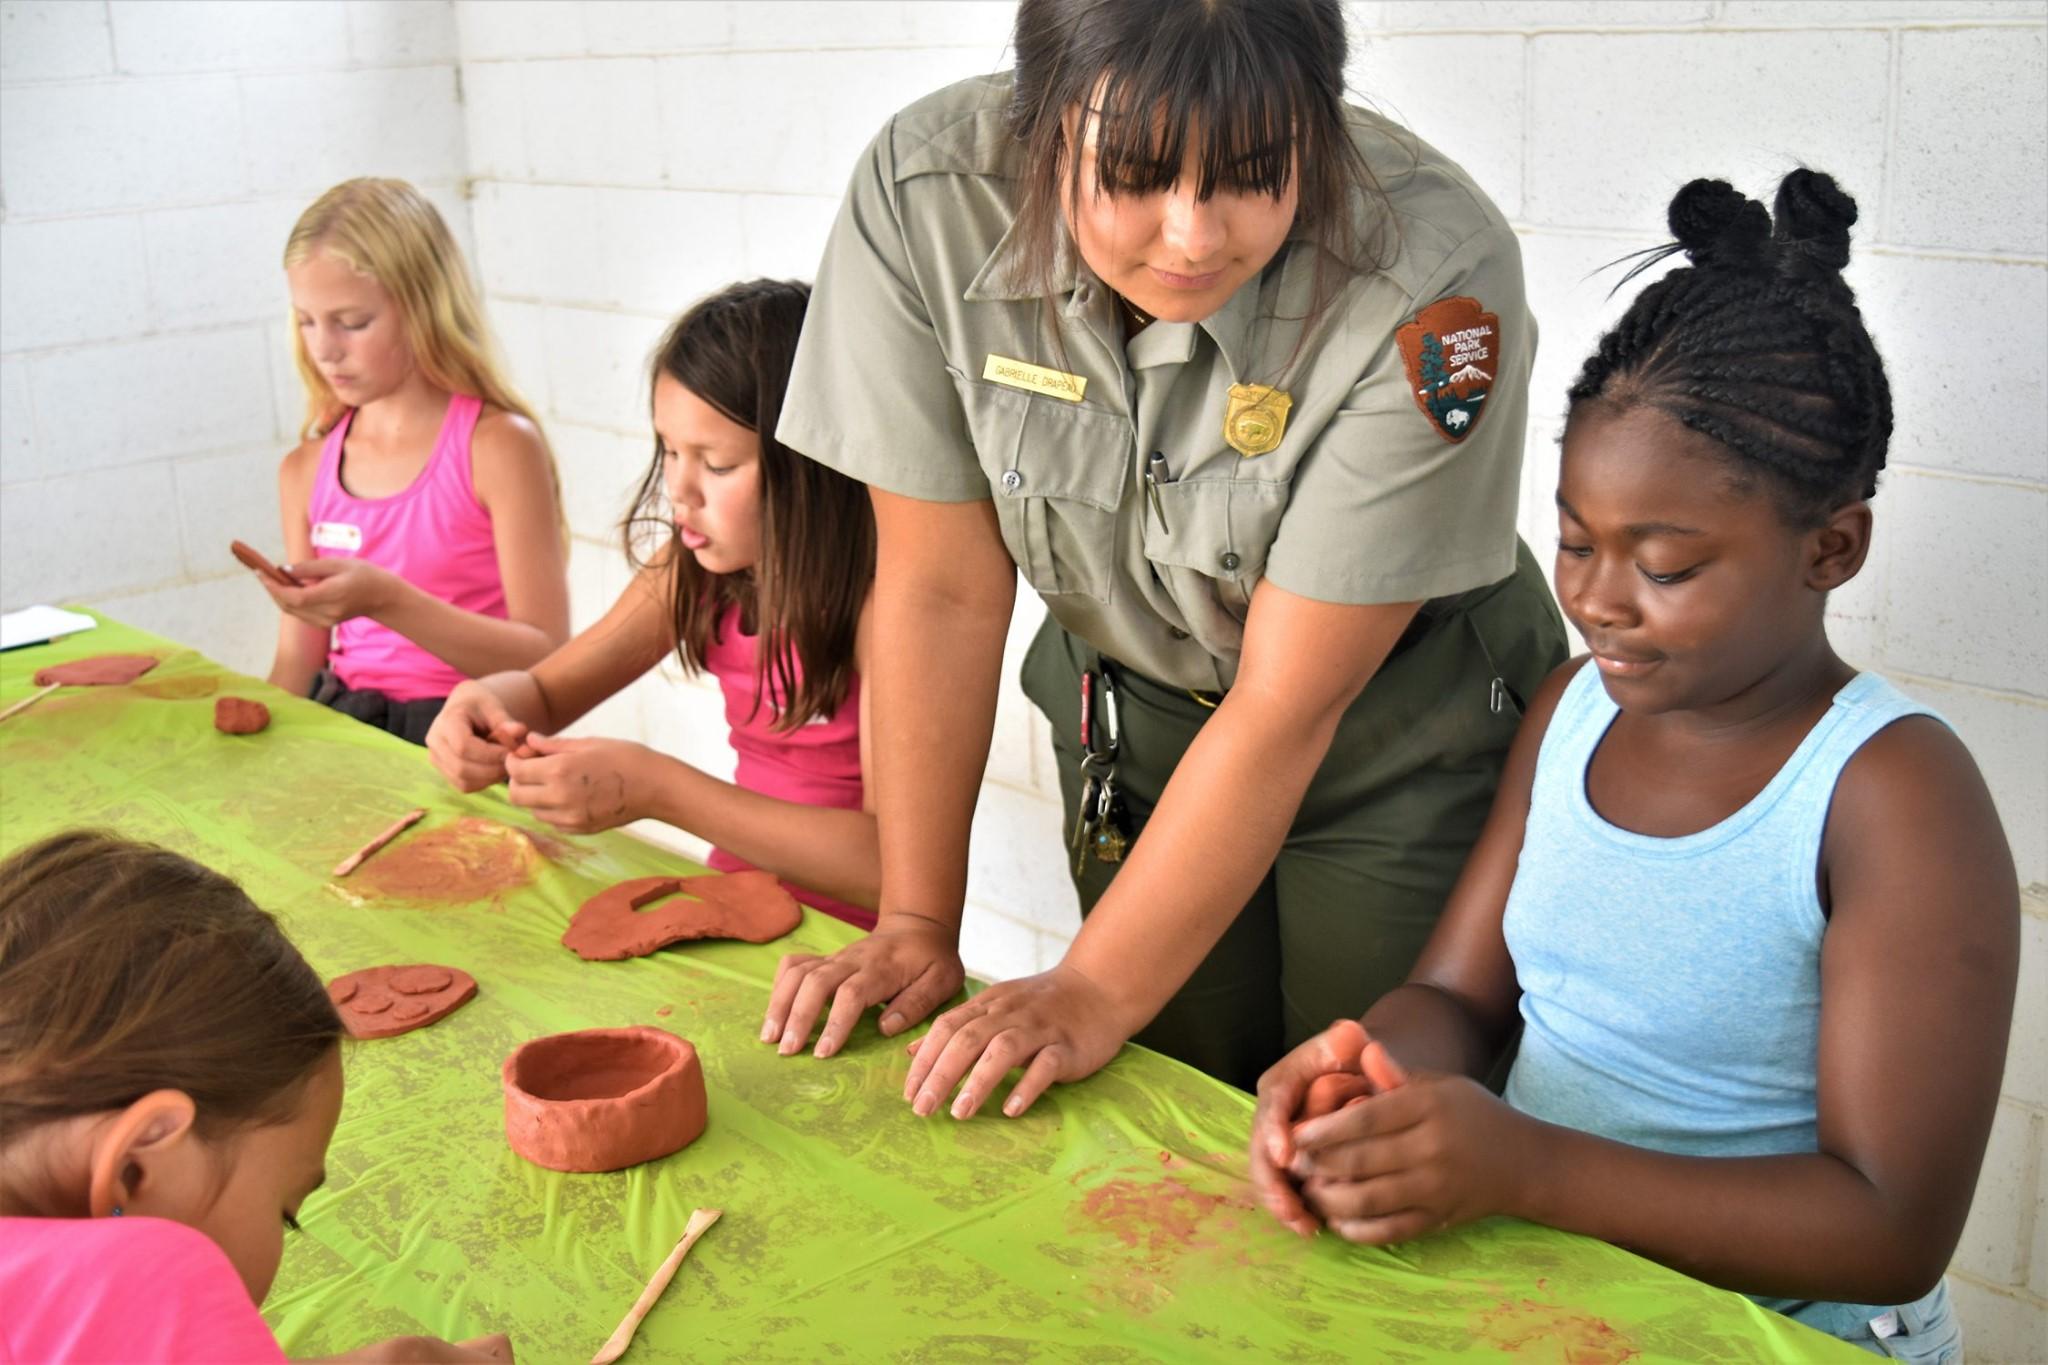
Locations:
(240, 716)
(470, 860)
(603, 1099)
(1159, 1223)
(743, 905)
(383, 1002)
(1549, 1332)
(102, 670)
(187, 688)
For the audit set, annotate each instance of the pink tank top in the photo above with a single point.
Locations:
(816, 764)
(435, 535)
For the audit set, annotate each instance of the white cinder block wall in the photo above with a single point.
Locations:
(623, 158)
(153, 157)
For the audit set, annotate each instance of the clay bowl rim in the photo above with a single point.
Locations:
(678, 1047)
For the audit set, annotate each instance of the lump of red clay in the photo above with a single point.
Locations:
(102, 670)
(603, 1099)
(743, 905)
(240, 716)
(1330, 1092)
(383, 1002)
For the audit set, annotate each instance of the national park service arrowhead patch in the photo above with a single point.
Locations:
(1452, 352)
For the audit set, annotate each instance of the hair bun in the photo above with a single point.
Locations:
(1814, 217)
(1718, 224)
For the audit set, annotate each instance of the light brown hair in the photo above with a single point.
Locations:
(127, 968)
(803, 599)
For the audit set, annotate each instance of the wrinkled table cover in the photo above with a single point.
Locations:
(1113, 1223)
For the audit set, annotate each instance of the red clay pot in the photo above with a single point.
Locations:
(603, 1099)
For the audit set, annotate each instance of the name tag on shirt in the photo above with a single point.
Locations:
(1022, 374)
(337, 535)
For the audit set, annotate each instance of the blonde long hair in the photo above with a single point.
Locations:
(388, 230)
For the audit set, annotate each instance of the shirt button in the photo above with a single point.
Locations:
(1176, 632)
(1012, 481)
(1230, 562)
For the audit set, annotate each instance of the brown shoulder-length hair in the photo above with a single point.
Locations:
(803, 599)
(1255, 88)
(127, 968)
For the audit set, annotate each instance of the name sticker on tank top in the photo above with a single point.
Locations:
(1022, 374)
(337, 535)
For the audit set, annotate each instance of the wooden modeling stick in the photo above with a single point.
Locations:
(30, 700)
(397, 827)
(700, 1221)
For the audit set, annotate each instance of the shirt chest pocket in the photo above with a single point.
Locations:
(1208, 539)
(1057, 472)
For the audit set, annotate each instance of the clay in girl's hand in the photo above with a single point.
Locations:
(252, 558)
(383, 1002)
(240, 716)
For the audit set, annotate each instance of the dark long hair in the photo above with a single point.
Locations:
(803, 599)
(127, 968)
(1758, 343)
(1259, 83)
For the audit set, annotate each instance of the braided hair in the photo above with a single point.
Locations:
(1758, 343)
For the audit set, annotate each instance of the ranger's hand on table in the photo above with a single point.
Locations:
(472, 737)
(909, 964)
(427, 1351)
(336, 590)
(581, 786)
(1058, 1026)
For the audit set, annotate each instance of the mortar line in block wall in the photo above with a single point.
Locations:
(659, 54)
(140, 210)
(1894, 77)
(131, 79)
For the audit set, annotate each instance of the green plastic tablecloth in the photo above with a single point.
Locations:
(1112, 1223)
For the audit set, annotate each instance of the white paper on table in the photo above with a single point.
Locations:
(33, 625)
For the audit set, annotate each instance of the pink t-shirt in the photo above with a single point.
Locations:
(435, 535)
(817, 764)
(122, 1289)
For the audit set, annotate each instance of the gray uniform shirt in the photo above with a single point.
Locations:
(1395, 475)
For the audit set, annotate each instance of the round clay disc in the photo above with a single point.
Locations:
(383, 1002)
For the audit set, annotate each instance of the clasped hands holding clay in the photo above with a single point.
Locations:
(579, 786)
(1345, 1137)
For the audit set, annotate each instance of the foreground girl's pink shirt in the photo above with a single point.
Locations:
(123, 1289)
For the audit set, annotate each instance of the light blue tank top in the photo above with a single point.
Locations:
(1671, 987)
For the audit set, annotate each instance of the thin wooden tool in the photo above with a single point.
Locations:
(398, 827)
(30, 700)
(700, 1221)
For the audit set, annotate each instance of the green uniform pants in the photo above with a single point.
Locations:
(1381, 835)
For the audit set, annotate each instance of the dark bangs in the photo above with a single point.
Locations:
(1243, 106)
(1253, 88)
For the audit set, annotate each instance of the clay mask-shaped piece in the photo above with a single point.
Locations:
(383, 1002)
(743, 905)
(603, 1099)
(102, 670)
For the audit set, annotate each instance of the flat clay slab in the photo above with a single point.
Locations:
(383, 1002)
(102, 670)
(743, 905)
(240, 716)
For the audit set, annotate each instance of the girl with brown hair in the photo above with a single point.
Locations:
(753, 565)
(170, 1077)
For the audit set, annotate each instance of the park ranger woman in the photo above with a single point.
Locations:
(1236, 375)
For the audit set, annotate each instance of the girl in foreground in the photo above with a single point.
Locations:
(754, 565)
(170, 1076)
(1755, 906)
(421, 513)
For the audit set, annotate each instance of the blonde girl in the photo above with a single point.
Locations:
(422, 511)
